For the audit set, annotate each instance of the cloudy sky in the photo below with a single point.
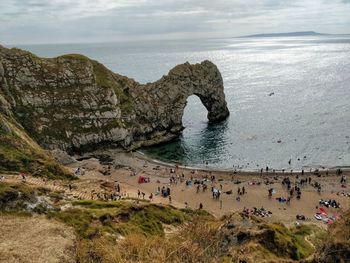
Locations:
(67, 21)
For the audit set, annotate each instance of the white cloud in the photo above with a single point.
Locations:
(30, 21)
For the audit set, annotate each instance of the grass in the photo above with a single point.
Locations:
(291, 242)
(7, 191)
(81, 221)
(14, 196)
(198, 235)
(105, 79)
(336, 245)
(123, 231)
(73, 56)
(91, 218)
(35, 239)
(20, 154)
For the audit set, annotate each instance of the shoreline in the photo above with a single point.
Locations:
(321, 169)
(127, 167)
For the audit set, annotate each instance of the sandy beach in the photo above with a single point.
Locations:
(126, 168)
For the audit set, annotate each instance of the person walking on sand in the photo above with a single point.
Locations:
(169, 199)
(270, 193)
(243, 190)
(23, 176)
(200, 206)
(151, 197)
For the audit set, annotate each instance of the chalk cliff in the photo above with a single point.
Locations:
(74, 103)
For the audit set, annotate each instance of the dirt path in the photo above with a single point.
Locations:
(83, 188)
(55, 186)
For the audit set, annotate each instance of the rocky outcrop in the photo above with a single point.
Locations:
(74, 103)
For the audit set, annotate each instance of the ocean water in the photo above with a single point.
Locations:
(289, 98)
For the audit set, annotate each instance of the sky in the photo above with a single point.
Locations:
(77, 21)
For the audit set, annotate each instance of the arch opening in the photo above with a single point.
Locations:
(195, 113)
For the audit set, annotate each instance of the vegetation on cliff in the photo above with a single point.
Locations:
(336, 246)
(19, 153)
(75, 104)
(137, 231)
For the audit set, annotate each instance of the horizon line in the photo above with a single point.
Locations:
(160, 39)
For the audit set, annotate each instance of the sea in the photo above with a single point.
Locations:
(289, 98)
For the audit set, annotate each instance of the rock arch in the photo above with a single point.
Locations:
(76, 104)
(169, 98)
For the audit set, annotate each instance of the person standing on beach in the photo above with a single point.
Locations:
(270, 193)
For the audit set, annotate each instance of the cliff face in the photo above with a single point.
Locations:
(74, 103)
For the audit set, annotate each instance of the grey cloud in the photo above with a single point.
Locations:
(98, 20)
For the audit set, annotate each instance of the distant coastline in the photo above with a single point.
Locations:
(287, 34)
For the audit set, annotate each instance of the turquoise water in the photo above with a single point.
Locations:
(308, 113)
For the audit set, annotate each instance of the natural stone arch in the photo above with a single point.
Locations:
(76, 104)
(203, 80)
(170, 95)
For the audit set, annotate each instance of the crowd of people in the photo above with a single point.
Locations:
(261, 212)
(293, 184)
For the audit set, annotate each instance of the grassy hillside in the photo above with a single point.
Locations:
(20, 153)
(137, 231)
(336, 246)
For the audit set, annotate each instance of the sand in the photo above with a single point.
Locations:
(257, 195)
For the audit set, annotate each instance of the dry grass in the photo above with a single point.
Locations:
(124, 231)
(336, 246)
(35, 239)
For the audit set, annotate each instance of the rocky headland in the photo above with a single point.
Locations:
(76, 104)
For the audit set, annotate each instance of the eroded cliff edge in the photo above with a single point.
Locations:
(74, 103)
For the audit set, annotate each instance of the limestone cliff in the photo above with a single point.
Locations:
(74, 103)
